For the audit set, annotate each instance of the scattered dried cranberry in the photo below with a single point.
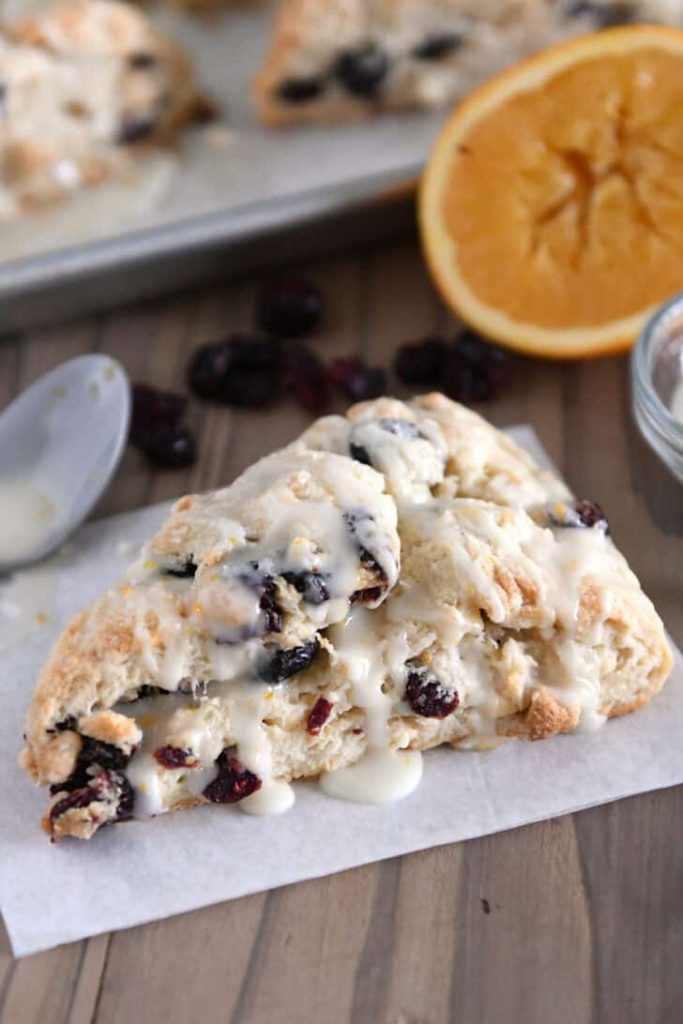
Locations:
(286, 663)
(233, 783)
(289, 307)
(427, 697)
(476, 370)
(170, 445)
(155, 428)
(590, 513)
(356, 380)
(303, 374)
(242, 370)
(311, 586)
(318, 715)
(175, 757)
(422, 362)
(151, 407)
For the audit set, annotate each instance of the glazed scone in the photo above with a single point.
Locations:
(433, 447)
(317, 618)
(331, 60)
(87, 84)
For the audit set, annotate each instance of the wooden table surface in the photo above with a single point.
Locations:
(569, 921)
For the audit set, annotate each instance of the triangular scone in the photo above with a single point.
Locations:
(378, 587)
(331, 60)
(85, 84)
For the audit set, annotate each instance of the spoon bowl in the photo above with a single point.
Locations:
(60, 443)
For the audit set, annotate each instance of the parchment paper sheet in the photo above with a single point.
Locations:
(143, 871)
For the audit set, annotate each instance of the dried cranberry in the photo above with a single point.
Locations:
(422, 362)
(286, 663)
(356, 380)
(476, 370)
(107, 785)
(438, 45)
(359, 453)
(318, 715)
(242, 371)
(356, 522)
(233, 783)
(580, 513)
(76, 799)
(126, 803)
(170, 446)
(427, 696)
(590, 513)
(185, 571)
(151, 407)
(289, 307)
(149, 691)
(603, 14)
(142, 60)
(106, 755)
(300, 90)
(271, 613)
(135, 130)
(311, 586)
(363, 70)
(175, 757)
(371, 595)
(303, 375)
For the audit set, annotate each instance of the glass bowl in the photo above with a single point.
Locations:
(657, 382)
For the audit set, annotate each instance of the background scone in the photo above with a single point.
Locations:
(345, 598)
(86, 83)
(332, 60)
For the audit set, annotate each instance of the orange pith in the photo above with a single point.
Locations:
(552, 204)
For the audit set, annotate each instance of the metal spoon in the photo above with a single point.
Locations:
(60, 443)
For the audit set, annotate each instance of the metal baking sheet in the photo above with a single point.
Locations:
(229, 185)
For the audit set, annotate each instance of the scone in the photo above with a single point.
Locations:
(332, 60)
(86, 84)
(395, 579)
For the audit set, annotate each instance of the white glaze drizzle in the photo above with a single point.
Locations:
(382, 774)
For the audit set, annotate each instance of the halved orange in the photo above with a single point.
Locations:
(551, 208)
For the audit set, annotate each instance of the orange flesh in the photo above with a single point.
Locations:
(565, 203)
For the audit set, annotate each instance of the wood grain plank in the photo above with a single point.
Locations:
(633, 871)
(305, 965)
(41, 987)
(526, 952)
(181, 969)
(87, 988)
(427, 931)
